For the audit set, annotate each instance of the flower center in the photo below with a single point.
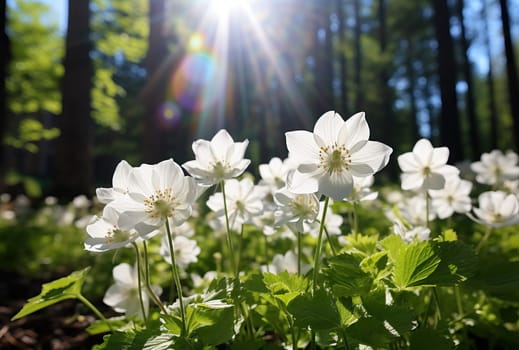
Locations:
(303, 207)
(116, 235)
(161, 204)
(334, 158)
(220, 169)
(426, 171)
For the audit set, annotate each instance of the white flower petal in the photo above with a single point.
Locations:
(354, 130)
(337, 185)
(328, 125)
(374, 154)
(408, 162)
(302, 146)
(412, 180)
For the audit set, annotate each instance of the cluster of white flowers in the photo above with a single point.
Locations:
(336, 161)
(440, 192)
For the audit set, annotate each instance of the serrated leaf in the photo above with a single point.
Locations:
(393, 244)
(500, 279)
(370, 331)
(458, 263)
(285, 286)
(316, 311)
(213, 325)
(429, 339)
(68, 287)
(346, 277)
(415, 262)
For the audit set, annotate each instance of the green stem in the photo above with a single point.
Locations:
(484, 239)
(459, 303)
(355, 227)
(154, 296)
(427, 208)
(139, 279)
(95, 310)
(229, 238)
(328, 238)
(267, 251)
(176, 278)
(319, 243)
(299, 252)
(437, 302)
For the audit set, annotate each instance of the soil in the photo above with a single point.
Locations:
(58, 327)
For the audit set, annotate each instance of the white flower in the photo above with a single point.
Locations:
(123, 296)
(413, 211)
(286, 262)
(496, 209)
(81, 202)
(119, 184)
(361, 189)
(425, 167)
(295, 209)
(244, 201)
(274, 174)
(454, 197)
(496, 167)
(329, 157)
(218, 159)
(186, 251)
(105, 234)
(156, 193)
(420, 233)
(332, 222)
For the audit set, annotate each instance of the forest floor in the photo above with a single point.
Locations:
(59, 327)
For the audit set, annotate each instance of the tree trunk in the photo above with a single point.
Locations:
(359, 93)
(385, 93)
(511, 70)
(492, 107)
(323, 60)
(341, 40)
(413, 115)
(4, 64)
(450, 131)
(73, 153)
(158, 70)
(474, 138)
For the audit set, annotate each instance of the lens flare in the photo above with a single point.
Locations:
(169, 114)
(194, 83)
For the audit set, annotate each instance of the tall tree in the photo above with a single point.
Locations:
(73, 152)
(450, 130)
(4, 62)
(470, 104)
(357, 61)
(492, 106)
(341, 41)
(511, 69)
(385, 89)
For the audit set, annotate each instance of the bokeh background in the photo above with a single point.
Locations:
(87, 83)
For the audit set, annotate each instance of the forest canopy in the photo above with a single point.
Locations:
(140, 79)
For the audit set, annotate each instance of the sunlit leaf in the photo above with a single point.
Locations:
(68, 287)
(316, 311)
(414, 263)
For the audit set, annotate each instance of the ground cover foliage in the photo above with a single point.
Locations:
(279, 262)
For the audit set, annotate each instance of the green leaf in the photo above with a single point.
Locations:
(458, 263)
(212, 325)
(100, 326)
(429, 339)
(285, 286)
(501, 279)
(317, 312)
(415, 262)
(393, 244)
(68, 287)
(346, 277)
(370, 331)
